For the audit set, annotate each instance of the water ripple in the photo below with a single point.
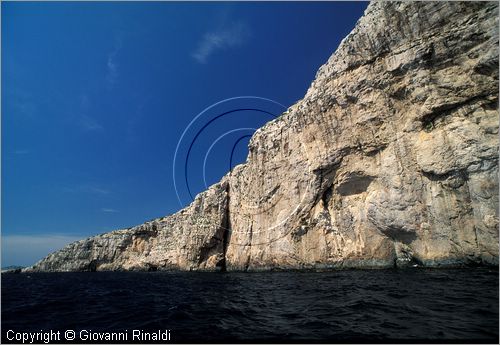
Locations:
(341, 306)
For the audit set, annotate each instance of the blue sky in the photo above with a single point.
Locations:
(95, 97)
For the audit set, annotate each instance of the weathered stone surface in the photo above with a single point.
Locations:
(190, 239)
(390, 159)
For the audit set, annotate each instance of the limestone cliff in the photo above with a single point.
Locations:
(390, 159)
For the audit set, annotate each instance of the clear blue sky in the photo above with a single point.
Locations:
(95, 97)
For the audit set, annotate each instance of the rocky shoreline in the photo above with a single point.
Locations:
(390, 160)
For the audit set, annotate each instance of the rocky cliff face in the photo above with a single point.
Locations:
(390, 159)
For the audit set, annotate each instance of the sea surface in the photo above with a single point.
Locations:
(414, 305)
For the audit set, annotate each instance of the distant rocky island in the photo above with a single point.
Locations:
(390, 159)
(12, 269)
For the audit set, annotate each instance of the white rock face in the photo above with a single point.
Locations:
(191, 239)
(390, 159)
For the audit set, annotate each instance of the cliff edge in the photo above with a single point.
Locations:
(390, 159)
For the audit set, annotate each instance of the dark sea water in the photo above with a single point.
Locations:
(415, 305)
